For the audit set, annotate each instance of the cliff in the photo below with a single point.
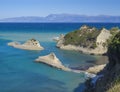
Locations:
(88, 40)
(110, 80)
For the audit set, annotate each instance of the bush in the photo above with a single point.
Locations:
(116, 86)
(85, 37)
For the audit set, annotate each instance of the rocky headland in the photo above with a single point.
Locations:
(31, 44)
(53, 61)
(89, 40)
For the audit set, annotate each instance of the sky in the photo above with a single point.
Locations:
(18, 8)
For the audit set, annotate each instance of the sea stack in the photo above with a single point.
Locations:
(31, 44)
(53, 61)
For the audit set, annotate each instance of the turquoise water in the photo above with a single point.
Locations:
(19, 72)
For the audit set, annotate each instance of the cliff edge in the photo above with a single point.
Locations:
(110, 80)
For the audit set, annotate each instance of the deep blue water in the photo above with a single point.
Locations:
(51, 27)
(19, 72)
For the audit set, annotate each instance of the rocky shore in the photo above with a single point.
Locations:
(31, 44)
(110, 79)
(53, 61)
(95, 69)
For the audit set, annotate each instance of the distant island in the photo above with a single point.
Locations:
(64, 18)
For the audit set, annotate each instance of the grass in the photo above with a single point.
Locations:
(86, 37)
(116, 86)
(83, 38)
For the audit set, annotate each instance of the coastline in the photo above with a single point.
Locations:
(19, 66)
(53, 61)
(88, 40)
(96, 51)
(96, 69)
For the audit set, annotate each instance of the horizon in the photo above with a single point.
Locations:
(64, 14)
(42, 8)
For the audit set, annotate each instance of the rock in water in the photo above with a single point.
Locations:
(53, 61)
(31, 44)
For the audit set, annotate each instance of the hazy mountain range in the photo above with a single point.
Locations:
(64, 18)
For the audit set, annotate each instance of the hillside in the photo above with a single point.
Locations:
(110, 80)
(85, 37)
(88, 40)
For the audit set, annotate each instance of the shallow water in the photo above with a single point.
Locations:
(19, 72)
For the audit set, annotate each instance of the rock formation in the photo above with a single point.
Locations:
(31, 44)
(95, 69)
(87, 39)
(53, 61)
(58, 38)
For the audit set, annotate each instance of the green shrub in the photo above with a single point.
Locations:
(84, 37)
(115, 86)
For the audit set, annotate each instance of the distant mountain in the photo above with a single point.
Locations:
(64, 18)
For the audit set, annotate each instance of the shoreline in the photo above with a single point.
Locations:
(76, 41)
(97, 51)
(53, 61)
(95, 69)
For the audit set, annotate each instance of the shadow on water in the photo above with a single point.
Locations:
(100, 60)
(80, 88)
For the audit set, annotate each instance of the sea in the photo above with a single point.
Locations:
(20, 73)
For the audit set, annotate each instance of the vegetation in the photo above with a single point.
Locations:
(33, 39)
(115, 44)
(83, 37)
(111, 80)
(115, 87)
(113, 31)
(86, 37)
(114, 57)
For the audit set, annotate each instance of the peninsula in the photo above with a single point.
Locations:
(53, 61)
(89, 40)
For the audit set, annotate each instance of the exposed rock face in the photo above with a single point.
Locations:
(31, 44)
(111, 72)
(88, 40)
(53, 61)
(102, 38)
(95, 69)
(60, 41)
(58, 38)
